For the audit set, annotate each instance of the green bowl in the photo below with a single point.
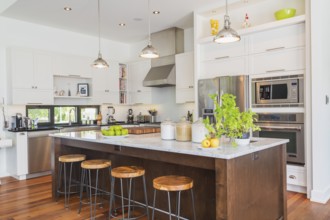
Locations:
(285, 13)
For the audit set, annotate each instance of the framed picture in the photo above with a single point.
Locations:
(83, 89)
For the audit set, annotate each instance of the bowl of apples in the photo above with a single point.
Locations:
(115, 132)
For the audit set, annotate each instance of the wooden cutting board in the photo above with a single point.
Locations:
(143, 130)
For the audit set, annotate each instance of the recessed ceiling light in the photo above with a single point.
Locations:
(67, 9)
(122, 24)
(213, 11)
(156, 12)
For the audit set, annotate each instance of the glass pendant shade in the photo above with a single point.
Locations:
(227, 34)
(100, 62)
(149, 52)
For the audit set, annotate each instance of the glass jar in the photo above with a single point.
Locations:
(198, 131)
(167, 130)
(183, 130)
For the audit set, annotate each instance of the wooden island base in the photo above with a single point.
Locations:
(250, 187)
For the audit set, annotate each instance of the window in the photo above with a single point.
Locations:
(89, 112)
(42, 113)
(63, 114)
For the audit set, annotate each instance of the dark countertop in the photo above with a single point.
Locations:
(58, 127)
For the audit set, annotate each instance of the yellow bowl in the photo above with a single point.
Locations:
(285, 13)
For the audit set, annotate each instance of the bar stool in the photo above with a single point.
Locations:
(173, 184)
(129, 173)
(87, 166)
(63, 160)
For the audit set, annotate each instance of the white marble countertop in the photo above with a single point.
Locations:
(154, 142)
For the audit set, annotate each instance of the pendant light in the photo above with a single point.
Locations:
(227, 34)
(149, 51)
(99, 62)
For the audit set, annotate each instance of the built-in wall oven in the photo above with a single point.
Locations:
(280, 91)
(286, 126)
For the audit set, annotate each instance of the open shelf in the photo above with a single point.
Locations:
(262, 27)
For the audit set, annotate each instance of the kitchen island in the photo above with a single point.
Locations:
(232, 183)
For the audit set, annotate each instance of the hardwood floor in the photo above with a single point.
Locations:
(31, 199)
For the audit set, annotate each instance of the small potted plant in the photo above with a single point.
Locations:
(234, 124)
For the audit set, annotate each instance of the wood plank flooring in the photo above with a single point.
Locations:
(31, 199)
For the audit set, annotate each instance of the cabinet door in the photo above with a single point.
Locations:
(141, 97)
(107, 78)
(43, 78)
(105, 97)
(21, 68)
(213, 51)
(136, 73)
(278, 61)
(184, 68)
(185, 95)
(22, 152)
(64, 64)
(224, 67)
(32, 96)
(277, 39)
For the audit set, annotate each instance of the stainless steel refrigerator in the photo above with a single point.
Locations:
(236, 85)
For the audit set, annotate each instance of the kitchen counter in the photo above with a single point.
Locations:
(224, 178)
(154, 142)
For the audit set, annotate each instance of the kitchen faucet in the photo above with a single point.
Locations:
(71, 110)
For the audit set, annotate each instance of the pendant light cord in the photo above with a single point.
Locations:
(227, 7)
(149, 43)
(99, 21)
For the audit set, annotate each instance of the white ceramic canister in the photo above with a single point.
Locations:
(198, 131)
(167, 130)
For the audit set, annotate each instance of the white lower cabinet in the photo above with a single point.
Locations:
(296, 178)
(16, 156)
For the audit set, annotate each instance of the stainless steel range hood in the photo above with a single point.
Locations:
(168, 43)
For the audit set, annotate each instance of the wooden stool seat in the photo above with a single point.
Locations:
(173, 183)
(70, 158)
(95, 164)
(127, 172)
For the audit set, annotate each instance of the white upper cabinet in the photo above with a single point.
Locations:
(64, 64)
(278, 39)
(30, 77)
(138, 94)
(106, 84)
(184, 68)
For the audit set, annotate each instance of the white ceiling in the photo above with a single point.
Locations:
(83, 17)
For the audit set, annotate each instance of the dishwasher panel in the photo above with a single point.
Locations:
(39, 151)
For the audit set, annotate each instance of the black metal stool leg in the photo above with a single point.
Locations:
(96, 186)
(70, 178)
(65, 185)
(169, 205)
(90, 192)
(122, 198)
(112, 195)
(129, 198)
(59, 181)
(178, 204)
(145, 195)
(83, 171)
(193, 203)
(154, 205)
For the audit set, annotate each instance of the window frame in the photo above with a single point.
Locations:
(52, 113)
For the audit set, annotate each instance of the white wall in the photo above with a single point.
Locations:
(320, 53)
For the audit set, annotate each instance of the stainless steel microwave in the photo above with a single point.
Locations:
(282, 91)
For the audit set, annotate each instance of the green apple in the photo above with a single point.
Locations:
(117, 132)
(103, 132)
(111, 133)
(124, 131)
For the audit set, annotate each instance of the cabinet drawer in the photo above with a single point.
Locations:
(296, 175)
(276, 39)
(224, 67)
(278, 61)
(220, 51)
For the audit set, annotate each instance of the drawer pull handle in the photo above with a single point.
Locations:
(224, 57)
(272, 71)
(34, 103)
(190, 87)
(276, 48)
(73, 75)
(292, 177)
